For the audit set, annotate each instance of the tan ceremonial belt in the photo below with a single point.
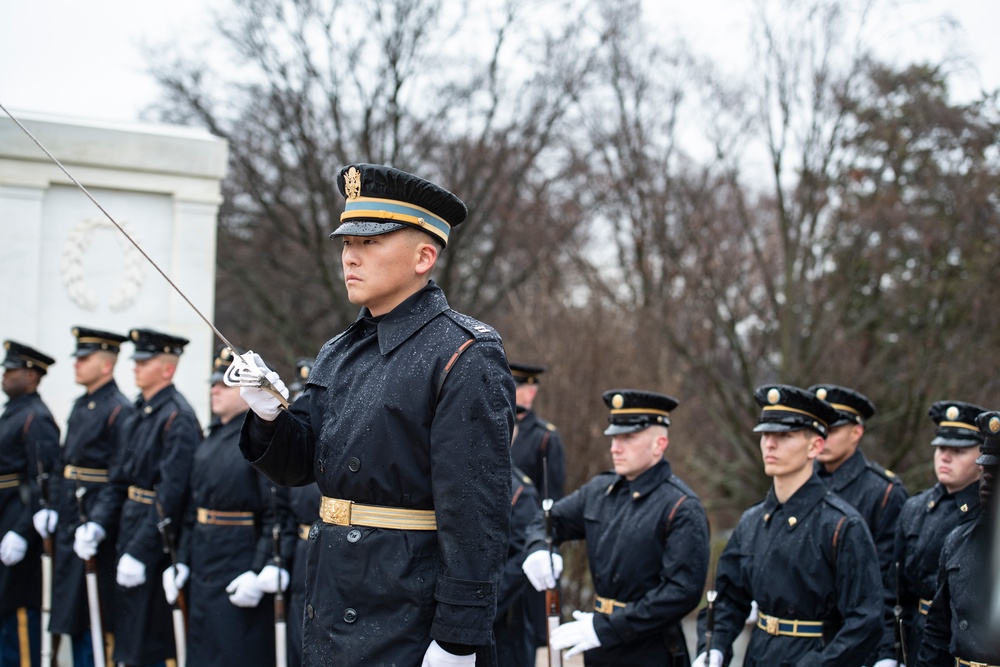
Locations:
(348, 513)
(304, 529)
(9, 481)
(220, 518)
(85, 474)
(971, 663)
(143, 496)
(789, 628)
(606, 605)
(924, 606)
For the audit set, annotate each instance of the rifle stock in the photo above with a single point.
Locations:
(280, 623)
(179, 607)
(93, 592)
(48, 546)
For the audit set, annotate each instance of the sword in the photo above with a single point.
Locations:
(243, 373)
(280, 629)
(48, 544)
(177, 608)
(93, 593)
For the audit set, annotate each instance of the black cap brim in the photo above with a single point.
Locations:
(941, 441)
(777, 427)
(366, 228)
(621, 429)
(988, 460)
(14, 363)
(143, 355)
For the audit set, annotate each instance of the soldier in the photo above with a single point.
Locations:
(304, 507)
(537, 440)
(150, 477)
(226, 544)
(958, 623)
(803, 553)
(929, 516)
(29, 441)
(93, 440)
(405, 425)
(647, 544)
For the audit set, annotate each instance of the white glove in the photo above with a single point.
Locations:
(578, 636)
(888, 662)
(13, 547)
(131, 572)
(174, 580)
(438, 657)
(86, 538)
(753, 615)
(714, 661)
(268, 579)
(45, 522)
(541, 572)
(244, 591)
(263, 402)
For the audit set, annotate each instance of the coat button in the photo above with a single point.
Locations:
(354, 464)
(310, 612)
(963, 625)
(480, 593)
(350, 615)
(354, 535)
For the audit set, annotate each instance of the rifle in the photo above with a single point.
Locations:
(178, 608)
(48, 544)
(897, 612)
(553, 606)
(93, 593)
(711, 597)
(280, 629)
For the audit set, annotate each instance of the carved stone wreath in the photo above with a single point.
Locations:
(75, 282)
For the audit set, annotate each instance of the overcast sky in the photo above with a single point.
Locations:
(83, 58)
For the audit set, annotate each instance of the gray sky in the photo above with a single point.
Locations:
(84, 59)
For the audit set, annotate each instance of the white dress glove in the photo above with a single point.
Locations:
(45, 522)
(270, 577)
(86, 538)
(264, 404)
(541, 572)
(174, 580)
(131, 572)
(438, 657)
(753, 615)
(578, 636)
(13, 547)
(714, 660)
(244, 591)
(888, 662)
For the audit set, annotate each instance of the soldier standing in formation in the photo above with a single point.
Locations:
(29, 441)
(647, 544)
(226, 544)
(405, 424)
(93, 439)
(958, 630)
(929, 516)
(151, 476)
(875, 492)
(804, 554)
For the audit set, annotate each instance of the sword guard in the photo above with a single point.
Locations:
(244, 372)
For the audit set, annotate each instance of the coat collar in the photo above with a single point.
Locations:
(407, 318)
(645, 483)
(798, 506)
(848, 471)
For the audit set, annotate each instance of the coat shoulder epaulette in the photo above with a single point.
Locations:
(478, 330)
(681, 486)
(884, 473)
(839, 503)
(520, 474)
(550, 426)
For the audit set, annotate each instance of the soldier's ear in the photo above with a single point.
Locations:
(427, 254)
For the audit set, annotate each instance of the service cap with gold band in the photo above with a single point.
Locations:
(20, 355)
(853, 406)
(382, 199)
(149, 343)
(89, 341)
(788, 408)
(222, 361)
(635, 409)
(525, 373)
(989, 426)
(956, 424)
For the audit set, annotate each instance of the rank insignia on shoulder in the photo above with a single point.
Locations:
(889, 473)
(482, 329)
(550, 426)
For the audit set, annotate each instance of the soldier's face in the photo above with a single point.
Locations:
(380, 272)
(841, 443)
(788, 452)
(227, 402)
(955, 467)
(634, 453)
(17, 381)
(90, 369)
(155, 372)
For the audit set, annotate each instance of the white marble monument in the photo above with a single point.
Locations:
(64, 263)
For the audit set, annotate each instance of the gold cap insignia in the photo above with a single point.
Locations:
(352, 183)
(304, 373)
(6, 345)
(617, 401)
(135, 334)
(994, 424)
(75, 332)
(773, 396)
(951, 413)
(821, 394)
(964, 508)
(225, 354)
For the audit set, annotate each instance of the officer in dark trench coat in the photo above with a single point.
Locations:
(405, 425)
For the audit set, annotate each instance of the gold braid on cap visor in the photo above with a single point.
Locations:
(389, 210)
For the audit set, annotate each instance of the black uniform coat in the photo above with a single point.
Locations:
(375, 425)
(220, 633)
(93, 437)
(958, 623)
(157, 456)
(809, 559)
(304, 501)
(924, 523)
(647, 545)
(538, 440)
(514, 636)
(27, 430)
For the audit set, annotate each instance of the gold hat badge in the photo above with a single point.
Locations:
(352, 183)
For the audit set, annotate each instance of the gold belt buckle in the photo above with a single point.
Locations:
(601, 606)
(978, 664)
(340, 511)
(772, 626)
